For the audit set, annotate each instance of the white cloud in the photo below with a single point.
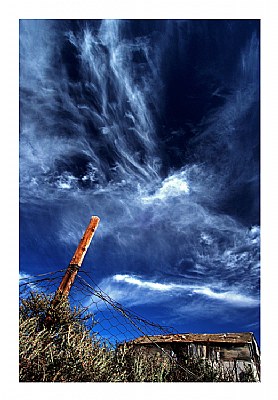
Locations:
(230, 297)
(161, 287)
(23, 276)
(133, 290)
(173, 186)
(66, 181)
(26, 280)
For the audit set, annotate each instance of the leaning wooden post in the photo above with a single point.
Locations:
(74, 266)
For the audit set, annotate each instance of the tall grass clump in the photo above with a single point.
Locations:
(65, 351)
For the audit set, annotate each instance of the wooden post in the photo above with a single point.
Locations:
(75, 264)
(77, 258)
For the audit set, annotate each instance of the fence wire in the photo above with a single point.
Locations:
(110, 322)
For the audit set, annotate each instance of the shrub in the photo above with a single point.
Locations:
(65, 352)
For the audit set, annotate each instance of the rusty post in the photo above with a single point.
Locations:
(77, 258)
(74, 265)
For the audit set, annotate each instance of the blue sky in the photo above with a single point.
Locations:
(154, 127)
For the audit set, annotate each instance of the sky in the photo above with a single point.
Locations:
(152, 125)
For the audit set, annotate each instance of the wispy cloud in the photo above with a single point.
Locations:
(228, 296)
(133, 290)
(156, 286)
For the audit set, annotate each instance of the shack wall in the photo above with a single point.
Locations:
(232, 358)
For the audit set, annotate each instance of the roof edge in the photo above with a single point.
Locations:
(239, 337)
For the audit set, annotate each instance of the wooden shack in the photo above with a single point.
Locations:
(233, 352)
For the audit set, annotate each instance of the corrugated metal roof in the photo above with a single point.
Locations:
(243, 337)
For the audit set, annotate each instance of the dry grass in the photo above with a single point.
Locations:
(65, 352)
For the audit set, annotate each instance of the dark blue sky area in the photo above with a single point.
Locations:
(154, 126)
